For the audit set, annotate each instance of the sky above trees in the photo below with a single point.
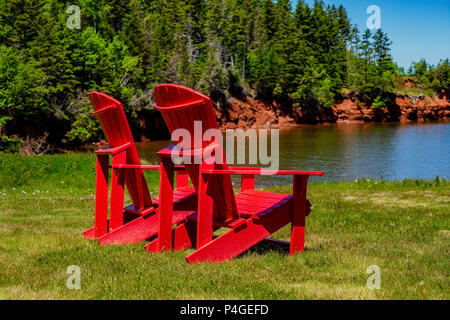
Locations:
(418, 28)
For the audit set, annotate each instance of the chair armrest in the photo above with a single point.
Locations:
(199, 152)
(113, 151)
(137, 166)
(260, 171)
(145, 167)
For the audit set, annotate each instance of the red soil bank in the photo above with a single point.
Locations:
(254, 113)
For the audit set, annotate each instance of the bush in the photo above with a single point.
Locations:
(9, 144)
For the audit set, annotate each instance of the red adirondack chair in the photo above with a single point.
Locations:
(251, 215)
(140, 220)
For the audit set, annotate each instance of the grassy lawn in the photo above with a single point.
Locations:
(402, 227)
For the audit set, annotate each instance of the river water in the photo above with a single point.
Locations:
(351, 151)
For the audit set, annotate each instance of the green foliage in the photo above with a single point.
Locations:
(323, 93)
(378, 102)
(441, 79)
(85, 127)
(431, 78)
(306, 55)
(9, 144)
(22, 95)
(371, 69)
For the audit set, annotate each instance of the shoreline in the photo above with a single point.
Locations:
(253, 113)
(142, 137)
(359, 122)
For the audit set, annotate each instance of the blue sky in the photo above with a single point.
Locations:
(418, 28)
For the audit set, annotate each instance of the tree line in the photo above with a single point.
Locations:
(308, 56)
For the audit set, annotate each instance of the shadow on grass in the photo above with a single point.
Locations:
(263, 248)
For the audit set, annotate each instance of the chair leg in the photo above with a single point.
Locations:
(205, 209)
(117, 192)
(165, 205)
(298, 214)
(101, 195)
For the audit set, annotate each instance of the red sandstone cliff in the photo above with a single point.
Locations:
(253, 113)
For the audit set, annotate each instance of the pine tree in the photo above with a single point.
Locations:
(442, 77)
(366, 52)
(384, 65)
(381, 49)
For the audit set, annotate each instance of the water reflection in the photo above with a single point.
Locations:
(350, 151)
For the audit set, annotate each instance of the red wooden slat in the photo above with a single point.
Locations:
(257, 206)
(140, 229)
(121, 125)
(114, 139)
(255, 195)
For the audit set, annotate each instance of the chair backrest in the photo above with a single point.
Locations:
(115, 126)
(180, 108)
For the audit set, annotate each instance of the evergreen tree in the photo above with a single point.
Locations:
(221, 47)
(366, 52)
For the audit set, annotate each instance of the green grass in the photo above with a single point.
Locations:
(47, 202)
